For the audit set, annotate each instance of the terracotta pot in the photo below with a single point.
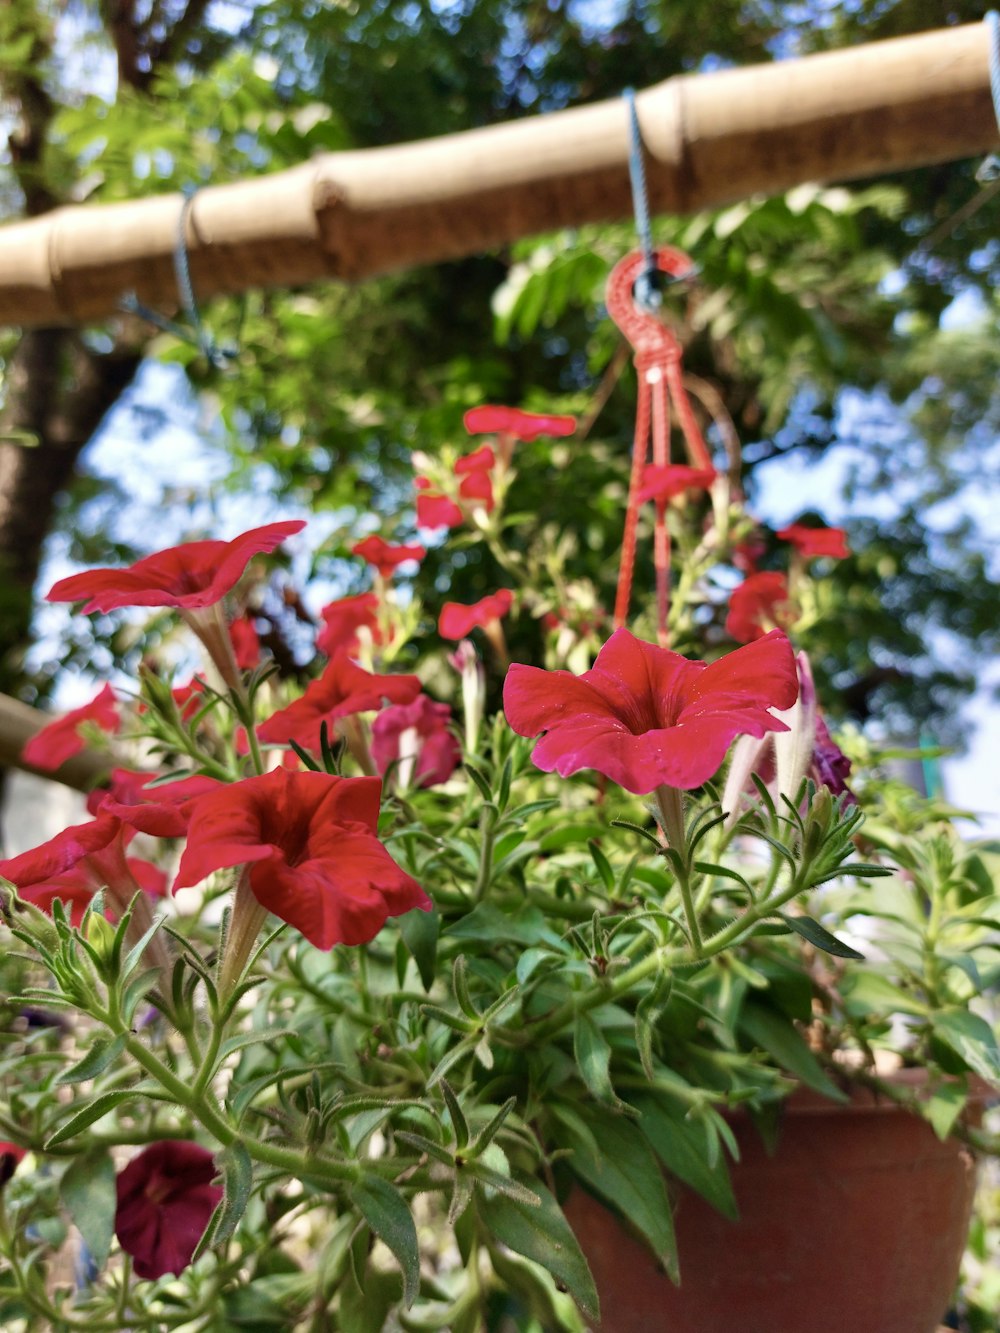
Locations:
(857, 1223)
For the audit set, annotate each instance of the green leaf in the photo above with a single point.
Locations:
(541, 1233)
(819, 936)
(420, 931)
(971, 1038)
(616, 1161)
(388, 1214)
(486, 924)
(94, 1110)
(104, 1052)
(89, 1192)
(131, 960)
(593, 1057)
(682, 1144)
(480, 781)
(236, 1169)
(459, 1124)
(778, 1036)
(944, 1107)
(603, 865)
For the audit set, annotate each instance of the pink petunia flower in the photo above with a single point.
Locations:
(814, 542)
(58, 741)
(165, 1199)
(760, 603)
(417, 736)
(458, 619)
(310, 844)
(646, 717)
(193, 576)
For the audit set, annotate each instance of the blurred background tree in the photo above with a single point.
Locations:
(815, 330)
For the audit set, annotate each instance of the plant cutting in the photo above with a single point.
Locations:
(434, 984)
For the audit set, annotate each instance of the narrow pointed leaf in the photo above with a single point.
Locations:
(819, 936)
(388, 1214)
(541, 1233)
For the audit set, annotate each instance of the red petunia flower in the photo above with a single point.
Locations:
(385, 557)
(11, 1155)
(342, 620)
(196, 575)
(60, 740)
(664, 483)
(435, 510)
(646, 717)
(344, 688)
(165, 1200)
(91, 855)
(145, 804)
(310, 843)
(760, 602)
(246, 643)
(747, 553)
(814, 542)
(418, 737)
(482, 459)
(526, 426)
(457, 620)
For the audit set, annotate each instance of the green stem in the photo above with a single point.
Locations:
(672, 810)
(121, 1305)
(487, 826)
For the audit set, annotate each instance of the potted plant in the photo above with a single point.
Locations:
(439, 999)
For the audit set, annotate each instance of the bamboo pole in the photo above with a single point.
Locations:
(710, 139)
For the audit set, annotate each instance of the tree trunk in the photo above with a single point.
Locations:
(58, 394)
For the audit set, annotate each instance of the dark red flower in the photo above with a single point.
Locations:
(165, 1200)
(385, 557)
(246, 643)
(344, 688)
(10, 1157)
(60, 740)
(416, 735)
(196, 575)
(759, 603)
(435, 510)
(646, 717)
(664, 483)
(310, 843)
(457, 620)
(526, 426)
(342, 620)
(814, 542)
